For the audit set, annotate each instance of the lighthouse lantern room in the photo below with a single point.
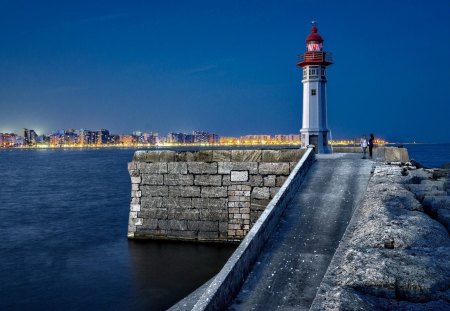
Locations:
(314, 63)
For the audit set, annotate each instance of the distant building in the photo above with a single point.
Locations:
(8, 140)
(102, 137)
(175, 138)
(114, 139)
(29, 137)
(87, 137)
(293, 138)
(127, 140)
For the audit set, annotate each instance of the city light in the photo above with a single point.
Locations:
(71, 138)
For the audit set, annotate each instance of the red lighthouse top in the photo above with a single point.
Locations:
(314, 36)
(314, 54)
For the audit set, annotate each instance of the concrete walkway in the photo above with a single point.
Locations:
(295, 259)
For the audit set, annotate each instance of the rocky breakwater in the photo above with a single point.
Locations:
(395, 253)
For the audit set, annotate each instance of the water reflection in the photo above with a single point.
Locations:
(166, 271)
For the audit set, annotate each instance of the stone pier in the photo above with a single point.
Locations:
(204, 195)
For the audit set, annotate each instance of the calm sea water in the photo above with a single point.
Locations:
(63, 226)
(432, 155)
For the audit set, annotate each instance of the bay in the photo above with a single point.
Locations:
(63, 227)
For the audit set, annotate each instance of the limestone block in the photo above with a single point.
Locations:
(274, 191)
(136, 194)
(177, 202)
(132, 166)
(181, 156)
(204, 155)
(208, 180)
(291, 155)
(245, 210)
(239, 176)
(155, 191)
(260, 193)
(214, 192)
(135, 200)
(209, 226)
(134, 173)
(205, 235)
(167, 155)
(151, 202)
(223, 226)
(394, 154)
(274, 168)
(154, 213)
(280, 181)
(186, 214)
(271, 155)
(270, 180)
(135, 187)
(151, 224)
(183, 234)
(154, 156)
(246, 155)
(239, 198)
(245, 216)
(206, 214)
(152, 179)
(139, 156)
(210, 203)
(184, 191)
(179, 179)
(152, 168)
(177, 168)
(135, 180)
(135, 207)
(227, 167)
(233, 210)
(202, 168)
(133, 214)
(253, 181)
(193, 225)
(221, 155)
(173, 224)
(145, 233)
(239, 193)
(239, 204)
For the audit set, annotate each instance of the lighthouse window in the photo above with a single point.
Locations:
(313, 92)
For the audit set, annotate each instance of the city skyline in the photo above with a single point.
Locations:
(228, 67)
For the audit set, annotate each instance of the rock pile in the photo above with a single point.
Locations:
(396, 251)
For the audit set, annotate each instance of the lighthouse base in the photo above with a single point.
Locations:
(318, 138)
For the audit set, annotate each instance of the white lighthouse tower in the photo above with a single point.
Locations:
(314, 63)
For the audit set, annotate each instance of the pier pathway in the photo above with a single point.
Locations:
(293, 262)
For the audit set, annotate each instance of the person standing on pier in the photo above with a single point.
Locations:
(371, 142)
(364, 145)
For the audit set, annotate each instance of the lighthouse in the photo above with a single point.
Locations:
(314, 63)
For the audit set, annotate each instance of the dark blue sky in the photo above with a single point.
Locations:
(223, 66)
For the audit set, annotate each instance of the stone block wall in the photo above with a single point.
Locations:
(208, 195)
